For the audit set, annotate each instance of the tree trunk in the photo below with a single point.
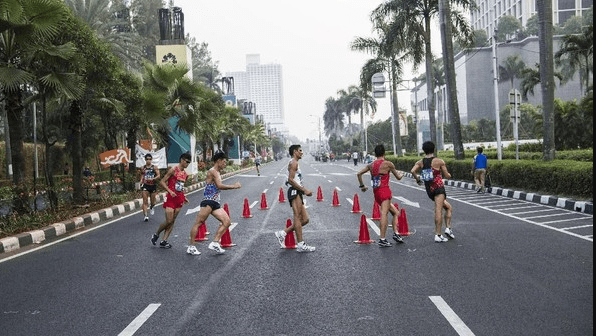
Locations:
(362, 127)
(452, 103)
(430, 84)
(77, 152)
(14, 115)
(6, 139)
(49, 174)
(547, 82)
(396, 112)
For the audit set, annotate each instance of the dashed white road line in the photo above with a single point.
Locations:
(253, 204)
(460, 327)
(140, 320)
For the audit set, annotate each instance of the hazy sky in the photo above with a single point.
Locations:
(309, 38)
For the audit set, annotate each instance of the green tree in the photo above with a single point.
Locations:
(24, 25)
(333, 117)
(576, 54)
(508, 27)
(480, 38)
(512, 69)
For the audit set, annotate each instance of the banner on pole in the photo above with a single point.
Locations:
(159, 157)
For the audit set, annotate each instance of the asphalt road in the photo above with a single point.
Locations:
(515, 268)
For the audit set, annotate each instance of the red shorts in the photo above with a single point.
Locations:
(174, 202)
(382, 194)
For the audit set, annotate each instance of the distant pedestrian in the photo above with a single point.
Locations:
(258, 164)
(175, 198)
(296, 191)
(433, 171)
(355, 158)
(380, 171)
(149, 174)
(479, 169)
(211, 206)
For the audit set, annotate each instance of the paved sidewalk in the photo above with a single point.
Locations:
(37, 236)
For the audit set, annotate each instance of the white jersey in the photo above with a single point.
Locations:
(297, 177)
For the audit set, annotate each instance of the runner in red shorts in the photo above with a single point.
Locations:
(175, 199)
(380, 171)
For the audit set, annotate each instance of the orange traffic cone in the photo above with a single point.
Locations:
(363, 236)
(319, 195)
(376, 213)
(281, 195)
(226, 209)
(202, 232)
(226, 239)
(402, 227)
(264, 202)
(356, 205)
(290, 242)
(246, 211)
(335, 198)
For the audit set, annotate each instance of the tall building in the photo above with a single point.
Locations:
(262, 85)
(489, 11)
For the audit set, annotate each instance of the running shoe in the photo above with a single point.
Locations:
(215, 246)
(165, 244)
(146, 219)
(154, 239)
(192, 250)
(281, 237)
(449, 233)
(152, 211)
(440, 239)
(302, 247)
(384, 243)
(398, 238)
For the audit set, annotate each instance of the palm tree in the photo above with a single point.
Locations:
(530, 77)
(360, 102)
(511, 69)
(333, 117)
(387, 51)
(577, 51)
(410, 20)
(24, 25)
(545, 29)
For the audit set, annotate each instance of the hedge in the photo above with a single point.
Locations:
(568, 178)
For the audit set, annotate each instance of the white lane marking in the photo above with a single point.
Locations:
(265, 191)
(584, 237)
(491, 202)
(337, 188)
(232, 226)
(407, 201)
(553, 215)
(373, 226)
(253, 204)
(193, 210)
(271, 182)
(460, 327)
(138, 322)
(533, 211)
(350, 200)
(566, 220)
(523, 206)
(329, 181)
(577, 227)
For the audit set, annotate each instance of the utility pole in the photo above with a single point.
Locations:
(416, 115)
(496, 94)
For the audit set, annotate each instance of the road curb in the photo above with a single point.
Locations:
(559, 202)
(37, 236)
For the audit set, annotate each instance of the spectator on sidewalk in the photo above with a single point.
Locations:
(479, 168)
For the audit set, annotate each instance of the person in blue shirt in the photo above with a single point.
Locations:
(479, 168)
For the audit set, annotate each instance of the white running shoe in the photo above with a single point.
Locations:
(440, 239)
(146, 219)
(152, 212)
(449, 233)
(215, 246)
(192, 250)
(302, 247)
(281, 238)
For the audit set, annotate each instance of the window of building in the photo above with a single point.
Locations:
(566, 4)
(565, 15)
(587, 3)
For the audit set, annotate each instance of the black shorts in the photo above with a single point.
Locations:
(213, 204)
(293, 193)
(432, 194)
(151, 188)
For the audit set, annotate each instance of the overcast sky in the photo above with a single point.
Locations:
(309, 38)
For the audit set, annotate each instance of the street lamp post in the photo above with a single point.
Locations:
(496, 93)
(378, 84)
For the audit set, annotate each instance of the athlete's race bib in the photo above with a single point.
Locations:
(427, 175)
(375, 182)
(293, 192)
(179, 186)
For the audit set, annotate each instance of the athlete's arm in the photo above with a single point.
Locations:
(157, 174)
(217, 180)
(414, 171)
(292, 169)
(359, 176)
(165, 178)
(444, 170)
(398, 175)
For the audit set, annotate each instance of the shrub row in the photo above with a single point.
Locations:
(586, 155)
(560, 177)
